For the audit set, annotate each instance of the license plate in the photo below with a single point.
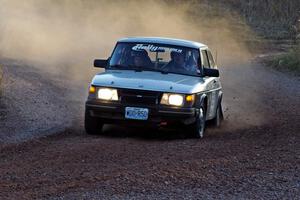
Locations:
(136, 113)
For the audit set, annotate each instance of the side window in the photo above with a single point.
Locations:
(205, 59)
(211, 60)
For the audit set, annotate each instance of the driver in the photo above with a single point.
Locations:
(141, 58)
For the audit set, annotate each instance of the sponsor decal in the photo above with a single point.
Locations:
(153, 48)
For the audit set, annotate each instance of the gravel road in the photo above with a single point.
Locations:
(45, 153)
(36, 103)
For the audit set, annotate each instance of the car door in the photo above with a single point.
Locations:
(212, 84)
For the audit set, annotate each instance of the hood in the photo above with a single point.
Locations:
(149, 80)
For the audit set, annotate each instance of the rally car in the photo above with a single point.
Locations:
(157, 82)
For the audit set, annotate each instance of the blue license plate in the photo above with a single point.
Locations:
(136, 113)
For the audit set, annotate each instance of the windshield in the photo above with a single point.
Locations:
(156, 57)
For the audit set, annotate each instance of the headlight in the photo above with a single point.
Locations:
(108, 94)
(177, 99)
(172, 99)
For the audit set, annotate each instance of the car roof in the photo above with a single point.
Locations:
(162, 40)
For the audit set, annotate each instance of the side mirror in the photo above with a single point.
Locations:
(211, 72)
(101, 63)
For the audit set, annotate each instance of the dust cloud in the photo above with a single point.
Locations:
(65, 36)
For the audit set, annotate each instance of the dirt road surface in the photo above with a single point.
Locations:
(45, 153)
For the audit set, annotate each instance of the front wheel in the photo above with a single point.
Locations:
(92, 125)
(198, 128)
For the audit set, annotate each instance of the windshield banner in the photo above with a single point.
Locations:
(153, 48)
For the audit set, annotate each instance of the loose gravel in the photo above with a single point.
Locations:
(255, 155)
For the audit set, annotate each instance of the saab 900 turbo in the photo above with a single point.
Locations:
(157, 82)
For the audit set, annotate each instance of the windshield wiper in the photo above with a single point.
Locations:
(127, 67)
(142, 68)
(134, 67)
(117, 66)
(138, 68)
(162, 71)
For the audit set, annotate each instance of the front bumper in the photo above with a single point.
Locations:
(111, 112)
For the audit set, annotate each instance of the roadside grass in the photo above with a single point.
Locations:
(270, 19)
(287, 62)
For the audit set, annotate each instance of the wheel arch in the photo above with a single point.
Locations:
(202, 99)
(220, 96)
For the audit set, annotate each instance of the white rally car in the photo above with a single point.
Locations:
(158, 82)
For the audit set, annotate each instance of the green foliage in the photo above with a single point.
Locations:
(272, 19)
(288, 62)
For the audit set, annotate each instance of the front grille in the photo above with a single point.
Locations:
(143, 97)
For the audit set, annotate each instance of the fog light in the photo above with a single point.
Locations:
(92, 89)
(189, 98)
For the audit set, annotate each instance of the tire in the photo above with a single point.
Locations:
(92, 125)
(198, 128)
(219, 116)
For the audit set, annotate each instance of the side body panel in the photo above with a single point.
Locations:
(212, 89)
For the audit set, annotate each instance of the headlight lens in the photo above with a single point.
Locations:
(172, 99)
(108, 94)
(176, 99)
